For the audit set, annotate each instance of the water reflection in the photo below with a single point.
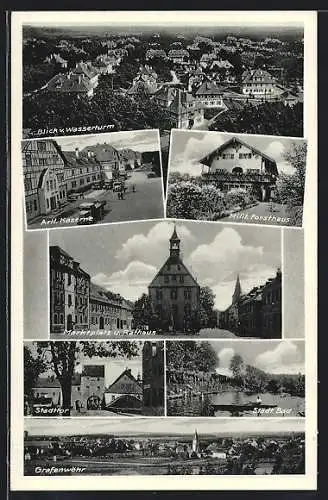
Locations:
(202, 405)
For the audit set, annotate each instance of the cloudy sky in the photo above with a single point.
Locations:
(138, 140)
(113, 366)
(148, 426)
(125, 258)
(275, 357)
(189, 147)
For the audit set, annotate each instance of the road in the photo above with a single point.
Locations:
(145, 203)
(216, 333)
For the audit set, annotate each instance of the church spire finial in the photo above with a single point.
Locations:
(237, 291)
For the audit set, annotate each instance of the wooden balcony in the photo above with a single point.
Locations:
(247, 177)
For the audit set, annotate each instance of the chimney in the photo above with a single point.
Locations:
(77, 153)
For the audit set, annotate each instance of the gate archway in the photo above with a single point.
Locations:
(93, 402)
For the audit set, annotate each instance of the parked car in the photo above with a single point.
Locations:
(42, 402)
(119, 186)
(74, 196)
(93, 210)
(97, 185)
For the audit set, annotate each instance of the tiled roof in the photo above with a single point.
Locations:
(119, 387)
(141, 86)
(52, 382)
(205, 160)
(69, 83)
(86, 69)
(181, 102)
(207, 57)
(166, 92)
(82, 161)
(208, 88)
(144, 70)
(221, 64)
(178, 53)
(93, 371)
(257, 75)
(99, 293)
(103, 152)
(174, 266)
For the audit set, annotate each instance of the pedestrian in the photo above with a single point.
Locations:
(122, 194)
(133, 189)
(258, 400)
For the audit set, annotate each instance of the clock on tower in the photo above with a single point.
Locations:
(174, 244)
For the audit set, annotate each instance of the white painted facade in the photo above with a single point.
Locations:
(242, 159)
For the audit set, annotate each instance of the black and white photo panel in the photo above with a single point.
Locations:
(166, 278)
(92, 179)
(235, 378)
(188, 71)
(88, 378)
(250, 179)
(163, 446)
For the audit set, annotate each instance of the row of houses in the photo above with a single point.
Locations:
(256, 313)
(204, 83)
(206, 91)
(78, 304)
(51, 174)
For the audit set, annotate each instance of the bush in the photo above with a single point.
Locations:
(189, 200)
(238, 197)
(184, 199)
(211, 202)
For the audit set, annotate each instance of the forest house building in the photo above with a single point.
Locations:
(236, 164)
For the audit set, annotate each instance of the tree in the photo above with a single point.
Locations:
(290, 188)
(63, 357)
(207, 358)
(143, 314)
(207, 298)
(255, 379)
(236, 366)
(273, 386)
(191, 356)
(33, 367)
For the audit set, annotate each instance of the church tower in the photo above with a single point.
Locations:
(175, 245)
(195, 442)
(237, 293)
